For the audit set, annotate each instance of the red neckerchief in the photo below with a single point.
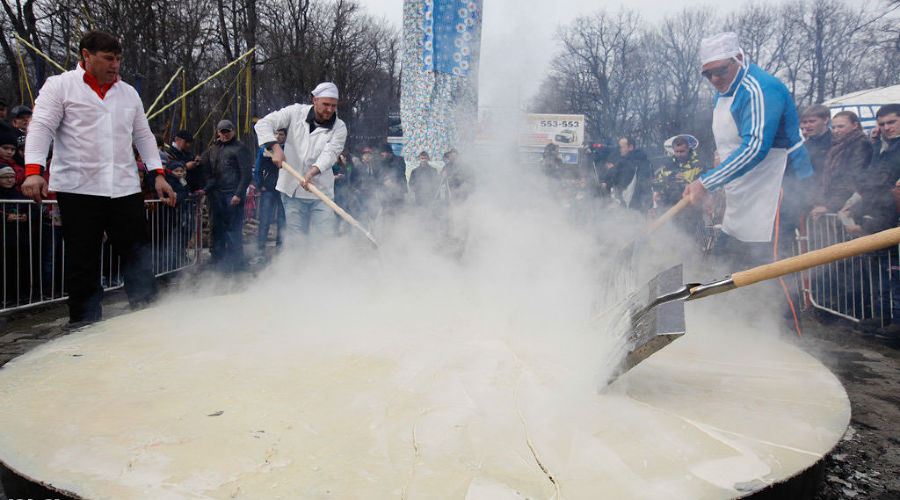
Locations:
(92, 82)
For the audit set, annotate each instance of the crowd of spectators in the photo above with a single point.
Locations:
(856, 177)
(856, 174)
(856, 181)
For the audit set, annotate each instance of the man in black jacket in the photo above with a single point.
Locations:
(878, 210)
(391, 177)
(632, 176)
(227, 165)
(364, 188)
(424, 182)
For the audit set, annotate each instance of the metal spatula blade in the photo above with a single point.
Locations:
(652, 325)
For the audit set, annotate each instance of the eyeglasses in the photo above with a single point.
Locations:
(718, 72)
(225, 130)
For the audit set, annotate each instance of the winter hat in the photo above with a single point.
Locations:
(7, 137)
(225, 125)
(325, 89)
(20, 111)
(719, 46)
(184, 134)
(7, 171)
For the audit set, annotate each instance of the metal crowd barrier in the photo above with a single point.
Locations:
(34, 252)
(859, 288)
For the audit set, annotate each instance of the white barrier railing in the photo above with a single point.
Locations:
(34, 251)
(859, 288)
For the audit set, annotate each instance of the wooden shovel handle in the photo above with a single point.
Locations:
(825, 255)
(669, 213)
(314, 190)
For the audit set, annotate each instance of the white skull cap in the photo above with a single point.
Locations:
(719, 46)
(325, 89)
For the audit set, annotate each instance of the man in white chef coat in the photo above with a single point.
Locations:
(315, 138)
(93, 118)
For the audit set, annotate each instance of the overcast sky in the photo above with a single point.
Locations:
(517, 38)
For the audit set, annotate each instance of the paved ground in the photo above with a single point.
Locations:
(864, 465)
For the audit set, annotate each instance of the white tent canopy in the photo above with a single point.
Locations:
(865, 103)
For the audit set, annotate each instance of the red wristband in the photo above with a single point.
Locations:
(32, 169)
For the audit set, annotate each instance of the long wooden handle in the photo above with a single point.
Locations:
(669, 214)
(328, 201)
(825, 255)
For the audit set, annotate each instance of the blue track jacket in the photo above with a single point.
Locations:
(766, 117)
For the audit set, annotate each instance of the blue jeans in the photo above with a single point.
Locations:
(270, 207)
(307, 219)
(227, 246)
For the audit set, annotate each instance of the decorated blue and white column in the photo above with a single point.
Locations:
(439, 85)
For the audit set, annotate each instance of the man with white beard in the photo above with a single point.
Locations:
(315, 138)
(756, 130)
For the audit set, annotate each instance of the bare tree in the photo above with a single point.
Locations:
(629, 77)
(599, 55)
(300, 42)
(676, 45)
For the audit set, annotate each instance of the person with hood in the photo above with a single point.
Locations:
(683, 167)
(314, 140)
(756, 130)
(8, 149)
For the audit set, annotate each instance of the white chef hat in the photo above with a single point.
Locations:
(719, 46)
(325, 89)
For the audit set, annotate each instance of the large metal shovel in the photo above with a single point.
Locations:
(656, 311)
(328, 201)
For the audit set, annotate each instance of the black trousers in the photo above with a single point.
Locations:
(740, 255)
(84, 220)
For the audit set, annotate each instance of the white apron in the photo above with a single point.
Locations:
(751, 200)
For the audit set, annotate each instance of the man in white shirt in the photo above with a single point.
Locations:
(315, 138)
(93, 118)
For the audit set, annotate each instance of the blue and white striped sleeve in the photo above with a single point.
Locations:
(757, 116)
